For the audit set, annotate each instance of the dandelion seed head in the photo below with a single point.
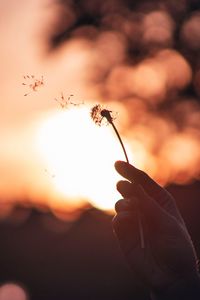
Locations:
(95, 114)
(99, 114)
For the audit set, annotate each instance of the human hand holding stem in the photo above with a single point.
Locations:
(97, 114)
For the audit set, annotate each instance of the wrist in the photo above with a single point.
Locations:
(185, 289)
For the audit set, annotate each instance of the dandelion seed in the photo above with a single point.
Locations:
(69, 98)
(33, 83)
(62, 97)
(65, 102)
(98, 113)
(61, 101)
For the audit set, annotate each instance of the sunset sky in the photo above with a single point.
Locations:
(142, 62)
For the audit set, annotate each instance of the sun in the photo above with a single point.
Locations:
(81, 156)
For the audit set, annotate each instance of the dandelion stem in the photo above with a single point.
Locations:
(106, 113)
(117, 133)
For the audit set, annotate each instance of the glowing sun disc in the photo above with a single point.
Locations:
(81, 155)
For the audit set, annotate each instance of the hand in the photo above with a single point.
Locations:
(168, 256)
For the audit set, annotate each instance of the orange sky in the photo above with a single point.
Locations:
(34, 163)
(28, 171)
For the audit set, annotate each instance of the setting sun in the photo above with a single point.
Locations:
(80, 156)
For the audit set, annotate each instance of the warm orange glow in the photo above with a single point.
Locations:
(59, 159)
(181, 151)
(80, 156)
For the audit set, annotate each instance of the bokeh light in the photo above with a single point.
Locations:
(190, 32)
(12, 291)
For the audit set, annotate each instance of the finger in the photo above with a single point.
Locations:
(128, 189)
(135, 175)
(148, 205)
(125, 205)
(122, 205)
(144, 200)
(149, 185)
(125, 188)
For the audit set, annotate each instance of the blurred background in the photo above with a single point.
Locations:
(140, 59)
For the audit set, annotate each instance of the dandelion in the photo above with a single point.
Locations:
(98, 114)
(32, 83)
